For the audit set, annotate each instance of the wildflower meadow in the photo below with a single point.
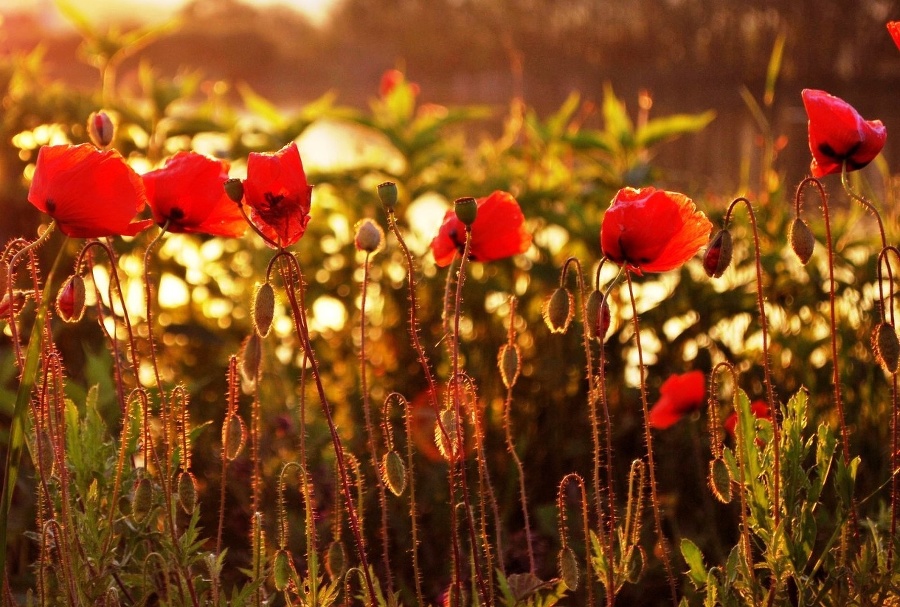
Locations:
(455, 369)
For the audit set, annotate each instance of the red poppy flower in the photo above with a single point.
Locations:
(88, 192)
(894, 30)
(678, 396)
(187, 194)
(838, 134)
(759, 409)
(650, 230)
(497, 232)
(278, 195)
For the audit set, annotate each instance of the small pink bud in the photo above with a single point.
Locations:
(101, 129)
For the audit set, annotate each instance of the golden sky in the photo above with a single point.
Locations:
(153, 10)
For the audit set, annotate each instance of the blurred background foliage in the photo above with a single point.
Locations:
(562, 163)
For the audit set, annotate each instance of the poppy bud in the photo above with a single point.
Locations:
(568, 568)
(466, 210)
(141, 500)
(886, 347)
(718, 255)
(802, 240)
(559, 310)
(70, 300)
(264, 309)
(234, 435)
(251, 356)
(393, 472)
(335, 560)
(234, 189)
(101, 129)
(508, 361)
(18, 299)
(369, 236)
(448, 445)
(387, 192)
(281, 570)
(598, 316)
(187, 492)
(720, 480)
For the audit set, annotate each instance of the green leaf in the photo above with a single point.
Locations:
(671, 127)
(774, 69)
(694, 559)
(617, 122)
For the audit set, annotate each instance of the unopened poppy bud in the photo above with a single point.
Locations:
(466, 210)
(598, 316)
(187, 492)
(101, 129)
(70, 300)
(335, 560)
(720, 480)
(251, 356)
(369, 236)
(718, 255)
(387, 192)
(802, 240)
(141, 500)
(234, 189)
(13, 305)
(393, 472)
(568, 568)
(508, 361)
(264, 309)
(886, 347)
(281, 570)
(234, 436)
(559, 310)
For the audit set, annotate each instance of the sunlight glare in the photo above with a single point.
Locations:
(328, 314)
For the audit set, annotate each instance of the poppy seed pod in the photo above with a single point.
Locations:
(234, 189)
(70, 300)
(559, 310)
(802, 240)
(101, 129)
(369, 236)
(466, 210)
(718, 255)
(886, 347)
(387, 192)
(264, 309)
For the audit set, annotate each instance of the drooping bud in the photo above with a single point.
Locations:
(13, 305)
(598, 316)
(393, 472)
(508, 361)
(568, 568)
(718, 255)
(46, 454)
(70, 300)
(387, 192)
(335, 560)
(447, 445)
(141, 500)
(466, 210)
(802, 240)
(559, 310)
(886, 347)
(264, 309)
(187, 492)
(101, 129)
(234, 189)
(369, 236)
(251, 356)
(281, 570)
(720, 480)
(234, 436)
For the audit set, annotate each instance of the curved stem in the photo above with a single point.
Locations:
(10, 280)
(764, 326)
(561, 511)
(654, 498)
